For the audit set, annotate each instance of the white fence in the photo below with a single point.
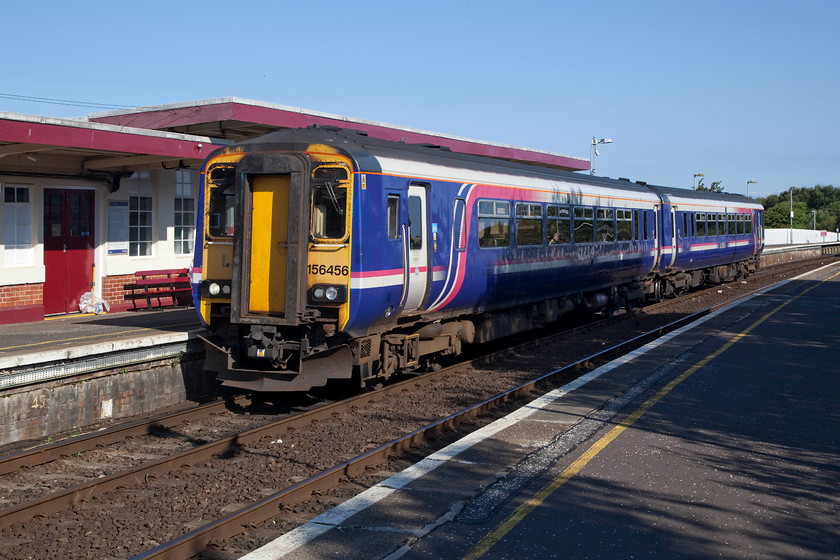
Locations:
(798, 236)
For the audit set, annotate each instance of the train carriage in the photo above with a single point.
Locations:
(326, 254)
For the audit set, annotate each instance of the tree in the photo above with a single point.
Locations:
(714, 187)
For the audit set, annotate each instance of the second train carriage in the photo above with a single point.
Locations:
(327, 254)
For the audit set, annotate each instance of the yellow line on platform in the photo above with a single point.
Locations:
(519, 514)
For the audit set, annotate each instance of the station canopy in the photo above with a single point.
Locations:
(177, 136)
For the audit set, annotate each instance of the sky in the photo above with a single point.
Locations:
(737, 90)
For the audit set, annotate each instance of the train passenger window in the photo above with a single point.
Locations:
(721, 221)
(493, 223)
(747, 224)
(528, 224)
(701, 225)
(732, 227)
(645, 224)
(624, 227)
(557, 225)
(584, 225)
(393, 216)
(740, 218)
(220, 194)
(686, 233)
(606, 225)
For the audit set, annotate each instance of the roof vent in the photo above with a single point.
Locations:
(643, 183)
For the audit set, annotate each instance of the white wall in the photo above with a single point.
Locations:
(797, 236)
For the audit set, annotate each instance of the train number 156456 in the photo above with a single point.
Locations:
(327, 270)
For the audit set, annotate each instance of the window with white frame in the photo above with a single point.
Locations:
(17, 225)
(184, 213)
(140, 215)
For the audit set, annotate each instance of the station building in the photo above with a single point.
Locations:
(87, 202)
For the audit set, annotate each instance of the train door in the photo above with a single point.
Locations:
(268, 252)
(674, 237)
(758, 229)
(657, 247)
(68, 248)
(416, 265)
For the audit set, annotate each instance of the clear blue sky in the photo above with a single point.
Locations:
(737, 90)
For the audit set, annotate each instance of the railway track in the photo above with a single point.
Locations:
(168, 471)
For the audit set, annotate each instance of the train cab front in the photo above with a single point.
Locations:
(276, 271)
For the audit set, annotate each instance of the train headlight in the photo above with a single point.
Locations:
(328, 293)
(215, 288)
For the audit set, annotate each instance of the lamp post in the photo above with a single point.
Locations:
(748, 185)
(791, 214)
(695, 179)
(593, 151)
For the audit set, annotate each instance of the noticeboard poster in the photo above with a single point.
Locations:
(117, 227)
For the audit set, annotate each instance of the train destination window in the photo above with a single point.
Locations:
(606, 225)
(558, 225)
(624, 227)
(584, 226)
(329, 202)
(220, 200)
(528, 224)
(701, 225)
(493, 223)
(393, 216)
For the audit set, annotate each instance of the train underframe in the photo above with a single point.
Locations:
(265, 358)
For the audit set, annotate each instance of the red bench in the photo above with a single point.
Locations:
(156, 286)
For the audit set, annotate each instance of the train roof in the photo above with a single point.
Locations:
(368, 153)
(686, 195)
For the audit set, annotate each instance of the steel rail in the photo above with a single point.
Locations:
(197, 540)
(54, 451)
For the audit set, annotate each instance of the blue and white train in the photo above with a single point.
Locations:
(325, 254)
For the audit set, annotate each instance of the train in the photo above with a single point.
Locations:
(323, 254)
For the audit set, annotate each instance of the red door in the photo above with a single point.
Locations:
(68, 248)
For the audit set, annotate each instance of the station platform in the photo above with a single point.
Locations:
(64, 336)
(721, 439)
